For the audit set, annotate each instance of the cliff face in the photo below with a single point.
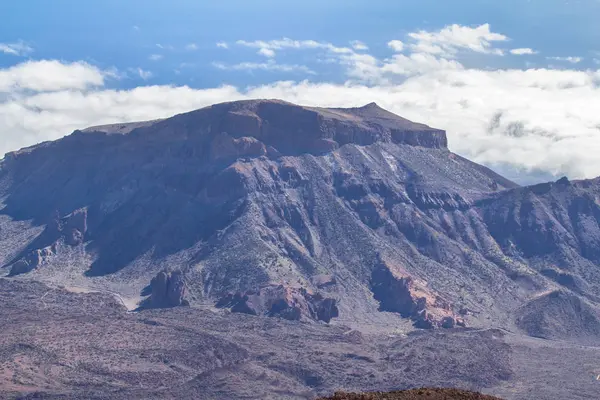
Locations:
(249, 196)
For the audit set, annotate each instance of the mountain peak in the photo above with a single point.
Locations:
(371, 105)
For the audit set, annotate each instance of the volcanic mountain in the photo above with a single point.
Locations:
(368, 256)
(270, 208)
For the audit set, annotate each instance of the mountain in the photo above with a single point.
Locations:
(349, 217)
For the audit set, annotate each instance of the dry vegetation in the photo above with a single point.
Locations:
(414, 394)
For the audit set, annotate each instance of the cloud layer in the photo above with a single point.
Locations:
(542, 122)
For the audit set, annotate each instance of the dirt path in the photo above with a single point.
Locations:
(129, 304)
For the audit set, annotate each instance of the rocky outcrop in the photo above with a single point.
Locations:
(324, 280)
(70, 229)
(168, 290)
(32, 260)
(283, 302)
(401, 295)
(225, 147)
(73, 227)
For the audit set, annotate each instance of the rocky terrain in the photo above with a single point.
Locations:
(414, 394)
(59, 344)
(305, 220)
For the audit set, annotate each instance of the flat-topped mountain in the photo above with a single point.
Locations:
(351, 219)
(291, 129)
(266, 207)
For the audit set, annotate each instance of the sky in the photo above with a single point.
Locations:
(515, 83)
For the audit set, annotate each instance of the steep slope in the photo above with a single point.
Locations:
(266, 207)
(560, 315)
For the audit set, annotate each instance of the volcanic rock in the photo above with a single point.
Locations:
(74, 227)
(323, 280)
(168, 290)
(402, 296)
(281, 301)
(32, 260)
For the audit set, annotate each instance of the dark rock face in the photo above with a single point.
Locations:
(74, 227)
(283, 302)
(394, 294)
(168, 290)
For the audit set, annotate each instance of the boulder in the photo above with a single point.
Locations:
(447, 323)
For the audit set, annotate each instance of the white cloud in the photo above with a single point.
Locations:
(16, 49)
(270, 65)
(358, 45)
(523, 51)
(155, 57)
(417, 63)
(266, 52)
(572, 60)
(396, 45)
(191, 47)
(451, 39)
(50, 76)
(364, 68)
(222, 45)
(270, 47)
(144, 74)
(164, 46)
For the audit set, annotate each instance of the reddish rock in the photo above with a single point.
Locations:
(400, 295)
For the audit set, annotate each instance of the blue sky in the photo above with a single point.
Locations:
(531, 66)
(124, 34)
